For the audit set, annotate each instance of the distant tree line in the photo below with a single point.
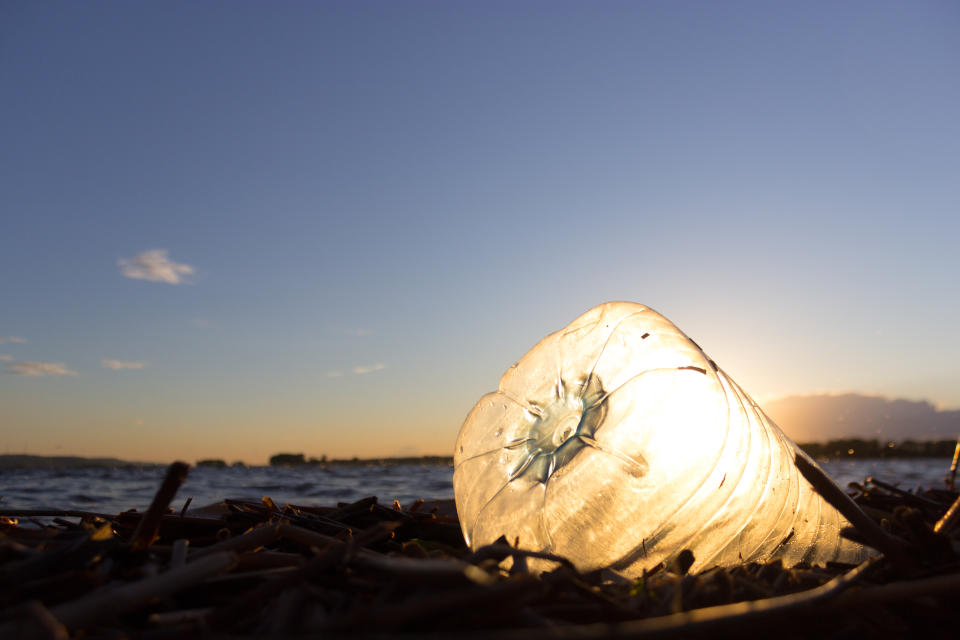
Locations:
(287, 460)
(297, 459)
(859, 448)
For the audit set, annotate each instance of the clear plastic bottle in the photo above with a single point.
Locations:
(617, 443)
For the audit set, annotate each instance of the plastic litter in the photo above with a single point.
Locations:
(617, 443)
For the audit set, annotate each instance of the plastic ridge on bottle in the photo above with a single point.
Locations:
(617, 443)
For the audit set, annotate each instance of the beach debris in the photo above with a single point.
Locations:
(363, 569)
(617, 443)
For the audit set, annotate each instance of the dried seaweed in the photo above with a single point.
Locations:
(364, 569)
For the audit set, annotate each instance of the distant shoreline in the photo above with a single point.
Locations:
(25, 461)
(833, 450)
(299, 460)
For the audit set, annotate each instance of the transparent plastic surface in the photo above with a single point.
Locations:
(617, 443)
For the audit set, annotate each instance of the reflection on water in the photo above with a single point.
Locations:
(111, 490)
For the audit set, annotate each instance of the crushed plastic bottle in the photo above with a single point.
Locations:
(617, 443)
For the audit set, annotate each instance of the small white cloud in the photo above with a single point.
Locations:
(155, 266)
(359, 370)
(120, 364)
(370, 368)
(16, 339)
(5, 358)
(35, 369)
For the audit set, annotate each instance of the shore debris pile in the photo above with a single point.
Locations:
(368, 569)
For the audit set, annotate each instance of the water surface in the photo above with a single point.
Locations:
(111, 490)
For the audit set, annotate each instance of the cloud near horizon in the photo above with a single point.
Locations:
(5, 358)
(824, 417)
(120, 364)
(370, 368)
(359, 370)
(16, 339)
(37, 369)
(155, 266)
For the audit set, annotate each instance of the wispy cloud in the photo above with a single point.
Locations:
(120, 364)
(359, 370)
(35, 369)
(16, 339)
(369, 368)
(5, 358)
(155, 266)
(358, 332)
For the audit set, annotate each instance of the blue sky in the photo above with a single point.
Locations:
(419, 192)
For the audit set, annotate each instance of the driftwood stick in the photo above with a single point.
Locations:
(901, 591)
(312, 538)
(894, 548)
(255, 539)
(425, 570)
(306, 536)
(949, 521)
(124, 598)
(149, 524)
(347, 510)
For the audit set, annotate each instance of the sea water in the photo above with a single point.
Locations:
(111, 490)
